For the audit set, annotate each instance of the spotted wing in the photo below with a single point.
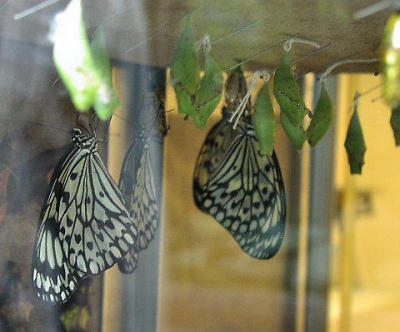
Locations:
(246, 195)
(137, 185)
(53, 278)
(95, 228)
(211, 153)
(130, 261)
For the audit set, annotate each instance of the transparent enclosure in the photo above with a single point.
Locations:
(337, 269)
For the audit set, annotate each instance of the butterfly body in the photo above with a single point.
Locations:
(84, 226)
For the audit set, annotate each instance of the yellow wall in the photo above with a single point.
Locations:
(366, 241)
(206, 282)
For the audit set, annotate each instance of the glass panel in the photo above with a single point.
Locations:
(365, 275)
(207, 283)
(35, 125)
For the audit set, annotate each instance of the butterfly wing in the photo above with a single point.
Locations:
(137, 185)
(95, 226)
(211, 153)
(53, 278)
(144, 202)
(246, 195)
(129, 263)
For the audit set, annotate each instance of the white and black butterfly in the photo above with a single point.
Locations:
(137, 179)
(242, 189)
(137, 186)
(211, 153)
(84, 225)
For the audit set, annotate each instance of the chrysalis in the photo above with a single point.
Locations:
(293, 109)
(355, 144)
(197, 97)
(322, 118)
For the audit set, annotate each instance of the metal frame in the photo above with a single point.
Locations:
(320, 208)
(138, 292)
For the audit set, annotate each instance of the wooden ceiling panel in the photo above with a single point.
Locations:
(147, 31)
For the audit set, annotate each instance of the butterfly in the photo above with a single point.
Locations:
(137, 180)
(242, 189)
(84, 225)
(211, 153)
(137, 186)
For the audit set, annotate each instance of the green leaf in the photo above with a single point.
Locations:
(209, 93)
(72, 56)
(395, 123)
(106, 100)
(264, 121)
(295, 133)
(185, 68)
(355, 144)
(322, 118)
(287, 93)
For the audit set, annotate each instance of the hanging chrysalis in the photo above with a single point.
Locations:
(106, 100)
(390, 62)
(355, 144)
(84, 68)
(322, 118)
(395, 123)
(185, 70)
(197, 97)
(293, 109)
(72, 55)
(264, 121)
(209, 93)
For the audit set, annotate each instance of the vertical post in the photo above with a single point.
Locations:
(138, 292)
(296, 233)
(321, 185)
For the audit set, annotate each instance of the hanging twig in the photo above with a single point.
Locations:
(288, 44)
(265, 50)
(343, 62)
